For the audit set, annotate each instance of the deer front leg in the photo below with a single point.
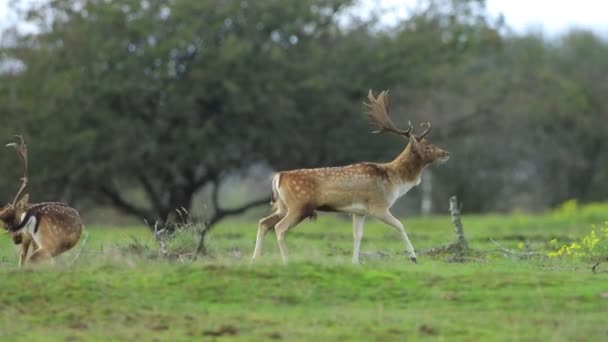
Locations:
(25, 246)
(389, 219)
(358, 221)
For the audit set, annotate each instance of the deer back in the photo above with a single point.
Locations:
(54, 226)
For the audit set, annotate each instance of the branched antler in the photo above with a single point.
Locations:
(378, 113)
(21, 149)
(426, 130)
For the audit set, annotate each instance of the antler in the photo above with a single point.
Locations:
(22, 153)
(379, 115)
(426, 130)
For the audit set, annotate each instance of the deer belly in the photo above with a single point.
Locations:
(354, 208)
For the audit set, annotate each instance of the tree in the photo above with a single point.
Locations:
(170, 97)
(143, 104)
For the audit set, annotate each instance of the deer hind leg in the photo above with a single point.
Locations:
(389, 219)
(266, 224)
(290, 220)
(358, 221)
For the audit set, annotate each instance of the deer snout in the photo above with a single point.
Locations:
(444, 156)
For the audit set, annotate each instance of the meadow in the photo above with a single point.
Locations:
(119, 289)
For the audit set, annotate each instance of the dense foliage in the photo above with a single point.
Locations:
(143, 104)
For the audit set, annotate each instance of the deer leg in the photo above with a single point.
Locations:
(290, 220)
(389, 219)
(39, 255)
(25, 246)
(358, 221)
(266, 224)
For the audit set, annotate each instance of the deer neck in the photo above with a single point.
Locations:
(407, 167)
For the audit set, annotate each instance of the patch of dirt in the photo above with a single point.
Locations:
(450, 295)
(426, 329)
(159, 327)
(224, 330)
(275, 336)
(394, 331)
(78, 325)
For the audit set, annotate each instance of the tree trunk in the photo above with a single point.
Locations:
(455, 212)
(426, 197)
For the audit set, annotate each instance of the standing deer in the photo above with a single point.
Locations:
(360, 189)
(51, 227)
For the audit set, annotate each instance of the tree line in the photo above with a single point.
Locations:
(144, 105)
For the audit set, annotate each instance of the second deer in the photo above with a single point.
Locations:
(51, 227)
(360, 189)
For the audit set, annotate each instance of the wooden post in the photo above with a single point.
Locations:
(200, 244)
(455, 212)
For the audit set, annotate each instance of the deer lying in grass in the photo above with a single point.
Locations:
(360, 189)
(51, 227)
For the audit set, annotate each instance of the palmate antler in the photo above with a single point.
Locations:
(378, 113)
(21, 149)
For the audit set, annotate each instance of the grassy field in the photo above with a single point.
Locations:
(113, 293)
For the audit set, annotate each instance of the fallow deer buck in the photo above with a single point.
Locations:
(360, 189)
(52, 227)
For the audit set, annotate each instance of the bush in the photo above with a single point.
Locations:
(593, 245)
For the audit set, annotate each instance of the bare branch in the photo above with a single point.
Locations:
(200, 244)
(162, 243)
(506, 250)
(222, 213)
(119, 202)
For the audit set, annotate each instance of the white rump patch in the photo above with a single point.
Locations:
(30, 226)
(276, 180)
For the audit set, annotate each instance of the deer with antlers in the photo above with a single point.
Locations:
(51, 227)
(364, 189)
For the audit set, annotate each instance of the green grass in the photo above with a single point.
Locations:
(110, 294)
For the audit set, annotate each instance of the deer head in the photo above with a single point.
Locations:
(9, 215)
(378, 113)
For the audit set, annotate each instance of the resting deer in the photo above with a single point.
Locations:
(360, 189)
(51, 227)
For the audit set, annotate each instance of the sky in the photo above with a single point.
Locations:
(553, 16)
